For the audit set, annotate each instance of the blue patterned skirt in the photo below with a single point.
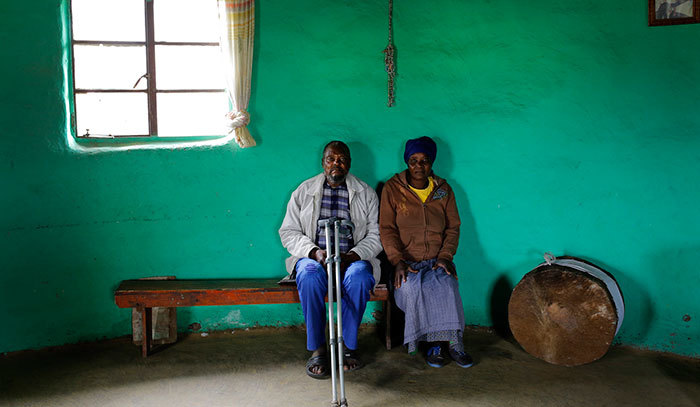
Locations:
(433, 306)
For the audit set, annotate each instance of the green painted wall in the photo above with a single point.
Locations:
(564, 127)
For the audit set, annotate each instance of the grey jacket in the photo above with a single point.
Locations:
(298, 231)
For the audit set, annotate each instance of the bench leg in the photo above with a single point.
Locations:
(387, 315)
(147, 326)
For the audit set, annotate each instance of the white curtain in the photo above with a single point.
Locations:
(236, 31)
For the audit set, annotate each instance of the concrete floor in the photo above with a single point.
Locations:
(264, 367)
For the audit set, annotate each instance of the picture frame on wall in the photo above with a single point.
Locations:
(672, 12)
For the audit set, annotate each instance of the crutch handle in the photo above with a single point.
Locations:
(346, 227)
(327, 221)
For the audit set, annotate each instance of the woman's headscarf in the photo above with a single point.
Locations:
(424, 145)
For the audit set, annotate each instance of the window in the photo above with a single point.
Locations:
(147, 68)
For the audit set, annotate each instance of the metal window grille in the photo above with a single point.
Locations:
(150, 76)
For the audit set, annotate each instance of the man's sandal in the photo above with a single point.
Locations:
(314, 361)
(351, 356)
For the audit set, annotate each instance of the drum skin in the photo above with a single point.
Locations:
(562, 316)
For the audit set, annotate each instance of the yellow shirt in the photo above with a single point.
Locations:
(423, 194)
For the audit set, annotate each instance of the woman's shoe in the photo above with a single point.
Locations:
(435, 357)
(461, 357)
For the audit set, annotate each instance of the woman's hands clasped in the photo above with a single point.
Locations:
(402, 269)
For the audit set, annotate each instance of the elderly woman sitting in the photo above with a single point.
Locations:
(419, 228)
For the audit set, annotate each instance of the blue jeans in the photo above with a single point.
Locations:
(312, 283)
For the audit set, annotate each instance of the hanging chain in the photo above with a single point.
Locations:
(389, 56)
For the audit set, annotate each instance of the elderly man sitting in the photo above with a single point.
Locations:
(334, 193)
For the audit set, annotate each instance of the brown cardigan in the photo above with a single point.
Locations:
(412, 230)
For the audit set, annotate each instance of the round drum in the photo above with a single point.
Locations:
(566, 311)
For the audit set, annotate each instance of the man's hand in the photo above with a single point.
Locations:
(319, 255)
(448, 266)
(346, 259)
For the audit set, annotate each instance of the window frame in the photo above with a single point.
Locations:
(150, 76)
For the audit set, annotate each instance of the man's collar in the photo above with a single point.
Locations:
(350, 182)
(341, 186)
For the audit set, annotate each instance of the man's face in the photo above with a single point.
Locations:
(336, 165)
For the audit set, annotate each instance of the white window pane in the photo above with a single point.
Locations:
(112, 113)
(185, 20)
(108, 20)
(192, 114)
(101, 67)
(189, 67)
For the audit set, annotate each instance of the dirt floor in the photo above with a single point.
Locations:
(265, 367)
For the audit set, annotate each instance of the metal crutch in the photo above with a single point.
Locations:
(336, 345)
(326, 224)
(342, 228)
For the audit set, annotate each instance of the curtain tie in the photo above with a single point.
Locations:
(237, 119)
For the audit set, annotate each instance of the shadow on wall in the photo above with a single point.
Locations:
(498, 309)
(397, 315)
(485, 280)
(363, 162)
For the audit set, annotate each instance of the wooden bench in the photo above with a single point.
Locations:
(144, 295)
